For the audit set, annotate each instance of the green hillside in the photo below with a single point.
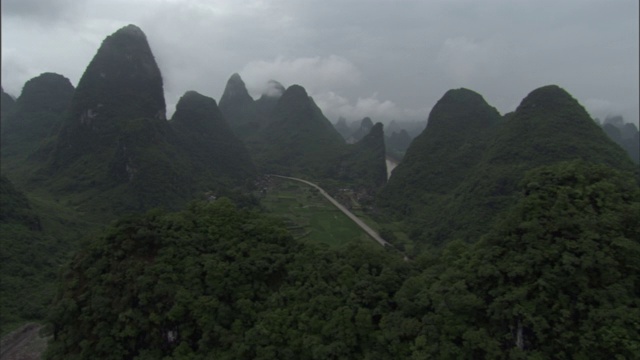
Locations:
(215, 152)
(454, 180)
(35, 117)
(298, 138)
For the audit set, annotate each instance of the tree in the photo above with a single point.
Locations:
(560, 274)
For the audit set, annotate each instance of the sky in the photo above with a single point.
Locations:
(386, 59)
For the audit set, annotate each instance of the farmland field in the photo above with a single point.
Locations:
(309, 216)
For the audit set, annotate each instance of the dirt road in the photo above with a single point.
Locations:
(24, 343)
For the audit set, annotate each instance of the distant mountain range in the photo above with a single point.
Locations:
(624, 134)
(107, 142)
(287, 133)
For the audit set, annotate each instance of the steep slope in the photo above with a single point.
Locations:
(549, 126)
(298, 138)
(115, 150)
(442, 156)
(122, 82)
(363, 163)
(342, 128)
(398, 143)
(269, 98)
(456, 195)
(7, 104)
(366, 125)
(36, 115)
(238, 107)
(624, 134)
(215, 151)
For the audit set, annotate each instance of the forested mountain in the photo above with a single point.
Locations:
(624, 134)
(398, 143)
(269, 98)
(7, 103)
(35, 116)
(215, 151)
(365, 126)
(115, 145)
(363, 163)
(342, 128)
(298, 137)
(455, 179)
(239, 108)
(286, 133)
(441, 158)
(122, 83)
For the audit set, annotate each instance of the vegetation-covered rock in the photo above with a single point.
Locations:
(441, 158)
(121, 83)
(215, 151)
(342, 128)
(366, 125)
(7, 104)
(454, 180)
(397, 144)
(36, 115)
(298, 138)
(239, 108)
(362, 164)
(624, 134)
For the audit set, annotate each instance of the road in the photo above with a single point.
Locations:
(24, 343)
(374, 235)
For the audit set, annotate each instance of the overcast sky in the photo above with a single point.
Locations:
(387, 59)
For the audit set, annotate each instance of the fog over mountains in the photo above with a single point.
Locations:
(383, 61)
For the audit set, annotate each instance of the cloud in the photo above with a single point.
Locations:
(409, 55)
(465, 59)
(335, 106)
(316, 74)
(41, 10)
(601, 108)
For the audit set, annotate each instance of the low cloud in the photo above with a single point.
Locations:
(334, 106)
(324, 78)
(41, 10)
(15, 69)
(464, 59)
(316, 74)
(600, 108)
